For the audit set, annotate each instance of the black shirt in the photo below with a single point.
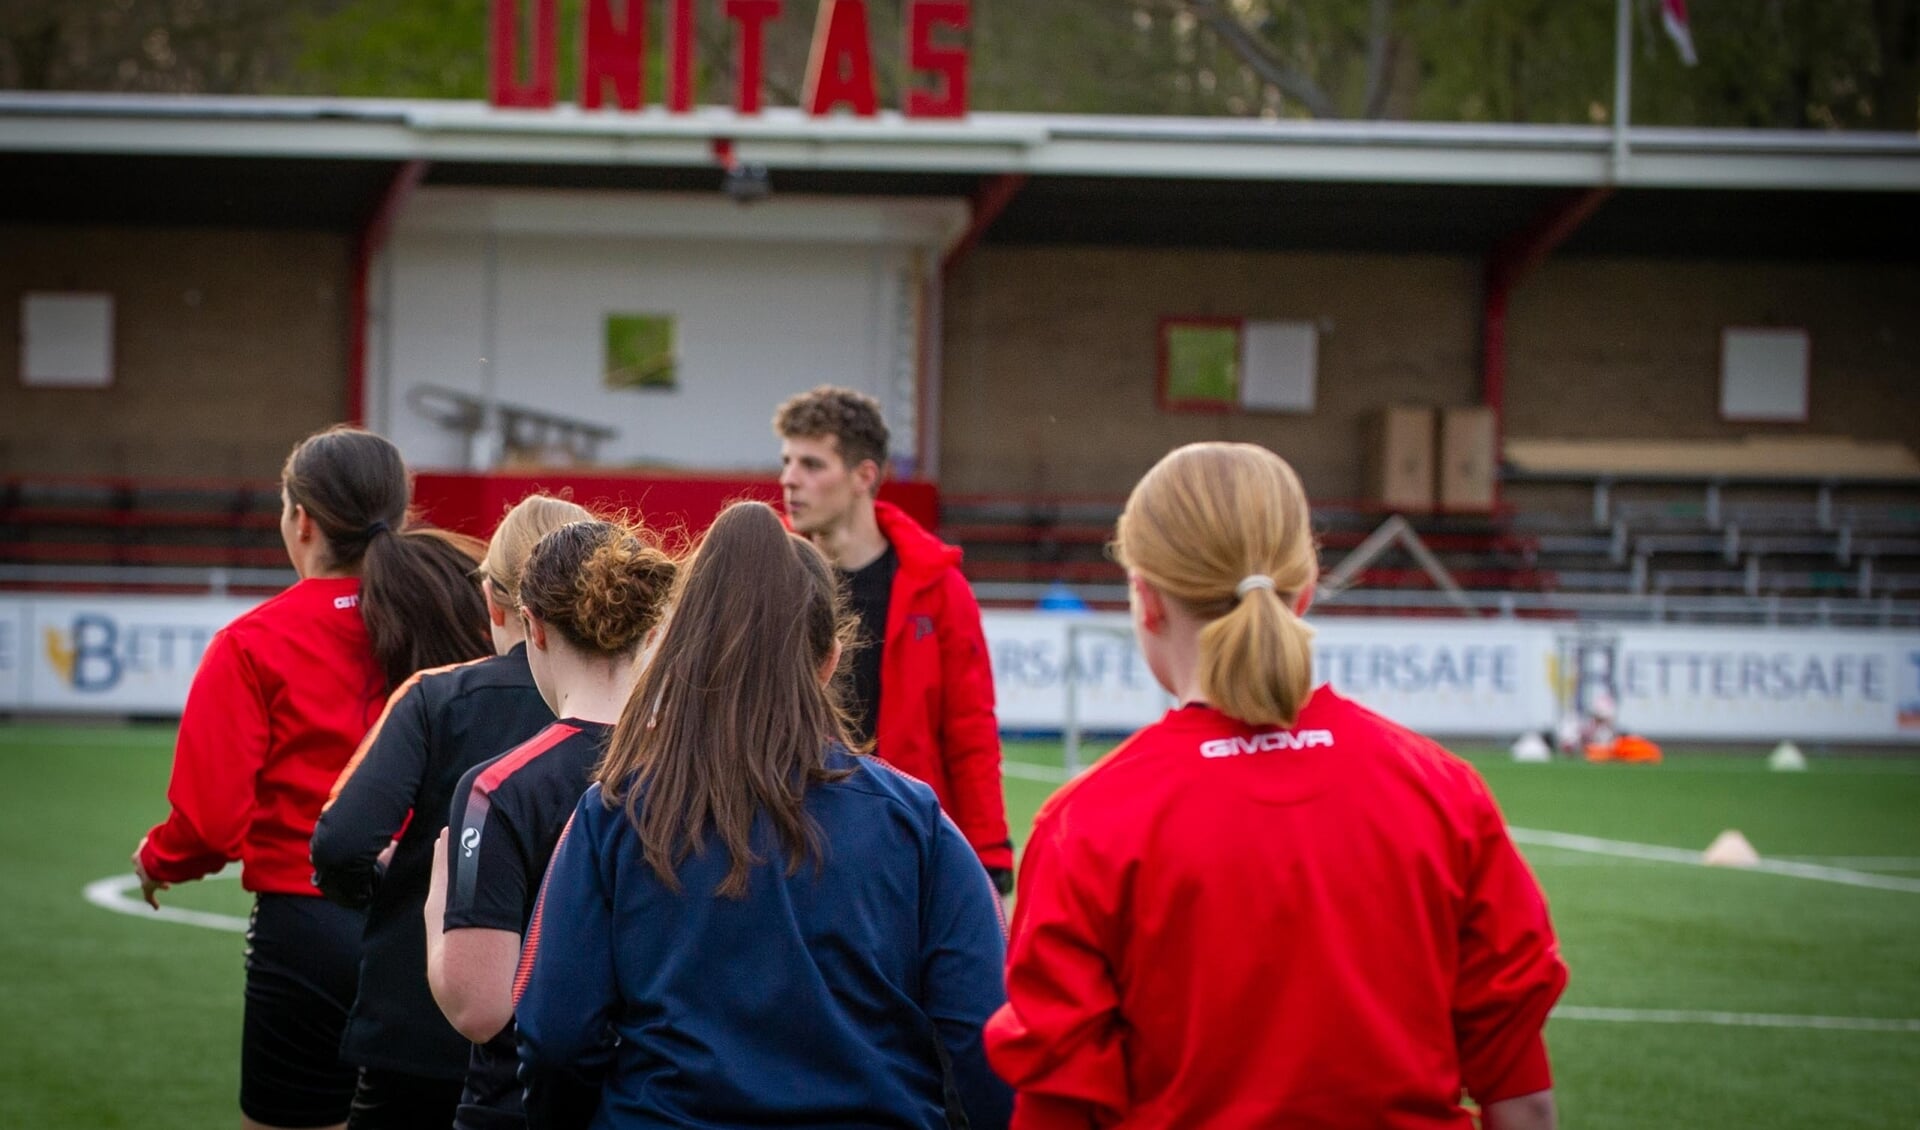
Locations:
(869, 592)
(441, 724)
(507, 816)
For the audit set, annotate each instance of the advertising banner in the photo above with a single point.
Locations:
(1113, 689)
(1496, 678)
(116, 655)
(1906, 666)
(1431, 676)
(13, 668)
(1754, 684)
(1442, 677)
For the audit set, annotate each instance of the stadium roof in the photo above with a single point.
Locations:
(1389, 186)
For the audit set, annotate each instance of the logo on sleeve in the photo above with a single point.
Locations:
(1270, 742)
(469, 840)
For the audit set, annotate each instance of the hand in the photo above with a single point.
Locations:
(385, 859)
(149, 886)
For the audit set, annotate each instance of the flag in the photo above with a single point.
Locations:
(1673, 13)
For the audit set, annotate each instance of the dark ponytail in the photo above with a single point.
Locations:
(419, 599)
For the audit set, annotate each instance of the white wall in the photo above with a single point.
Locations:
(768, 300)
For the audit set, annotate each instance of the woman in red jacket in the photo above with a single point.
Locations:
(1272, 907)
(282, 698)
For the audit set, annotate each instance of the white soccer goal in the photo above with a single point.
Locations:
(1074, 714)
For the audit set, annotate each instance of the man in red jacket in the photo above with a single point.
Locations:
(922, 682)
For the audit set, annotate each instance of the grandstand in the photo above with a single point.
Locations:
(1765, 546)
(1007, 285)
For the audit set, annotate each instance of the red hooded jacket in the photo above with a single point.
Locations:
(1230, 926)
(936, 687)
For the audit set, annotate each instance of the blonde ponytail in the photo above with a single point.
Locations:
(1224, 529)
(1256, 662)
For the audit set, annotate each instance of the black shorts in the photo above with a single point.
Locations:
(395, 1100)
(303, 967)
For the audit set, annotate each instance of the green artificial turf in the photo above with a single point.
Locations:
(119, 1021)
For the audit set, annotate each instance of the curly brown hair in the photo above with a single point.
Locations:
(853, 418)
(603, 585)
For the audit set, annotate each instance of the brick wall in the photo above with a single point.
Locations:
(1052, 355)
(1613, 348)
(229, 347)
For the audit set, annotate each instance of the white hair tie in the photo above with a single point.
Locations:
(1250, 582)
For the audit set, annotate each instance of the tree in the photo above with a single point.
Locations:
(170, 46)
(1823, 64)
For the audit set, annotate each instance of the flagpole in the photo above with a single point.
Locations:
(1622, 83)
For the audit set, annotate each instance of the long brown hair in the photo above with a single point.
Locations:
(420, 602)
(1204, 519)
(731, 718)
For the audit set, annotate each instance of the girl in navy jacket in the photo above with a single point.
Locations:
(744, 924)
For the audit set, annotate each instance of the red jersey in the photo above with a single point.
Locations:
(1221, 925)
(282, 698)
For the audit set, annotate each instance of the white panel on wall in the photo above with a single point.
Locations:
(66, 340)
(436, 306)
(792, 296)
(1278, 366)
(755, 324)
(1763, 374)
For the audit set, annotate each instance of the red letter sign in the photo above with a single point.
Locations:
(840, 70)
(680, 73)
(752, 16)
(611, 52)
(537, 92)
(948, 98)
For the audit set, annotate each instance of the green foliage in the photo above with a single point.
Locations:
(1514, 60)
(1763, 63)
(379, 48)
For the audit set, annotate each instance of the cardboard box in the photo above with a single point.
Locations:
(1400, 457)
(1468, 465)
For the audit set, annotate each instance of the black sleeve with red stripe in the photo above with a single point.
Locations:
(487, 884)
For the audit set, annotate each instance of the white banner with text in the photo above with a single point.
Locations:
(1502, 677)
(137, 655)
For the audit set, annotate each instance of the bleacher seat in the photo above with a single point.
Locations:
(141, 535)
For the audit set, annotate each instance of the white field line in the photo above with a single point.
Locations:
(1734, 1019)
(1862, 862)
(1626, 850)
(1028, 771)
(119, 893)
